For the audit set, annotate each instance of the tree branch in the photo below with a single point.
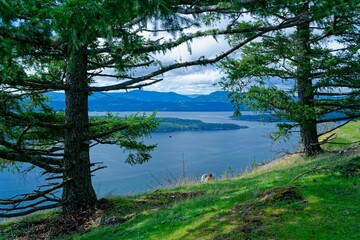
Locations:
(27, 121)
(127, 84)
(40, 162)
(337, 119)
(34, 209)
(25, 39)
(104, 134)
(110, 64)
(196, 7)
(33, 196)
(213, 32)
(333, 129)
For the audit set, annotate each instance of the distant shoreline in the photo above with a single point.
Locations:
(180, 125)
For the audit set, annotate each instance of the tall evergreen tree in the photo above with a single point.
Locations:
(67, 45)
(308, 74)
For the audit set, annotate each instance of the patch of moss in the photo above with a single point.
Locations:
(288, 194)
(251, 219)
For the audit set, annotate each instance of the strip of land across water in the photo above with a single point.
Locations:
(177, 124)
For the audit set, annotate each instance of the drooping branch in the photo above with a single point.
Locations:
(24, 204)
(26, 121)
(111, 76)
(197, 7)
(31, 154)
(99, 141)
(33, 196)
(25, 39)
(39, 161)
(107, 133)
(167, 30)
(329, 32)
(333, 94)
(333, 129)
(136, 80)
(339, 85)
(168, 45)
(98, 168)
(223, 7)
(32, 210)
(42, 85)
(347, 118)
(327, 139)
(111, 64)
(142, 85)
(31, 205)
(336, 106)
(53, 152)
(21, 137)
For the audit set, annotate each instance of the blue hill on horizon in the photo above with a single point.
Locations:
(140, 100)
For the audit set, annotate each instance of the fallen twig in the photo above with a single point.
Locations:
(155, 178)
(304, 173)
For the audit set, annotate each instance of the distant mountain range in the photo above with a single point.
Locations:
(139, 100)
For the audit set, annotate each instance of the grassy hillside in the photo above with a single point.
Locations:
(290, 198)
(346, 136)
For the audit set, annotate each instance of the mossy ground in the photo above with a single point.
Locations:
(290, 198)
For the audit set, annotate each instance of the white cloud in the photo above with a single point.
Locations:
(194, 80)
(202, 47)
(190, 80)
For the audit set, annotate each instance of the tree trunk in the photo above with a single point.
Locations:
(307, 120)
(78, 194)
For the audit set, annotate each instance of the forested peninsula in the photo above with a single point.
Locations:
(177, 124)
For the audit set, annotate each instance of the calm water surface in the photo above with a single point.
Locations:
(201, 152)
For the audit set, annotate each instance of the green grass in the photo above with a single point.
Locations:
(348, 135)
(235, 209)
(19, 226)
(290, 198)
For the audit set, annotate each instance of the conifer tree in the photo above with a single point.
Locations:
(308, 74)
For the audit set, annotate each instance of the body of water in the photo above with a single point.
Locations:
(177, 153)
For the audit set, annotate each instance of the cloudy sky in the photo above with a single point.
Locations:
(190, 80)
(195, 79)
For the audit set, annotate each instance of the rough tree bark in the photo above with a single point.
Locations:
(308, 121)
(78, 193)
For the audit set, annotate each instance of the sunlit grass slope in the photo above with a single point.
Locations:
(322, 203)
(348, 135)
(290, 198)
